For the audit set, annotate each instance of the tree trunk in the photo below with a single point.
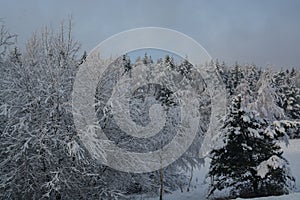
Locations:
(190, 180)
(161, 182)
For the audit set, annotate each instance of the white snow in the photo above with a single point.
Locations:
(292, 154)
(254, 132)
(273, 162)
(246, 147)
(294, 196)
(246, 118)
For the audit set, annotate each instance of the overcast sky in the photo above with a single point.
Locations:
(253, 31)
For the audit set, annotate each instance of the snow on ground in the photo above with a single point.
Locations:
(200, 185)
(292, 154)
(295, 196)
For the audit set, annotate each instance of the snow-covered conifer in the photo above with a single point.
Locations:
(248, 162)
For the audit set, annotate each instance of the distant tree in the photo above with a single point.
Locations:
(126, 64)
(252, 75)
(169, 62)
(280, 84)
(266, 101)
(292, 96)
(288, 92)
(237, 75)
(232, 76)
(185, 67)
(159, 61)
(147, 59)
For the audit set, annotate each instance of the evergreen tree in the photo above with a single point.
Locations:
(147, 60)
(169, 62)
(237, 75)
(185, 67)
(249, 162)
(292, 96)
(286, 85)
(126, 64)
(233, 78)
(280, 84)
(252, 75)
(292, 102)
(223, 71)
(244, 89)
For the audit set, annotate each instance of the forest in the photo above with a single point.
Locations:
(43, 157)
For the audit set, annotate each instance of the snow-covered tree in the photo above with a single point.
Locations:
(185, 67)
(41, 156)
(126, 64)
(169, 62)
(288, 92)
(6, 41)
(292, 96)
(266, 102)
(172, 177)
(147, 60)
(236, 77)
(252, 75)
(223, 70)
(248, 162)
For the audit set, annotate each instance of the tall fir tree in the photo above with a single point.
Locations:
(248, 162)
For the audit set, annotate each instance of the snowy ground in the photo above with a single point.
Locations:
(200, 185)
